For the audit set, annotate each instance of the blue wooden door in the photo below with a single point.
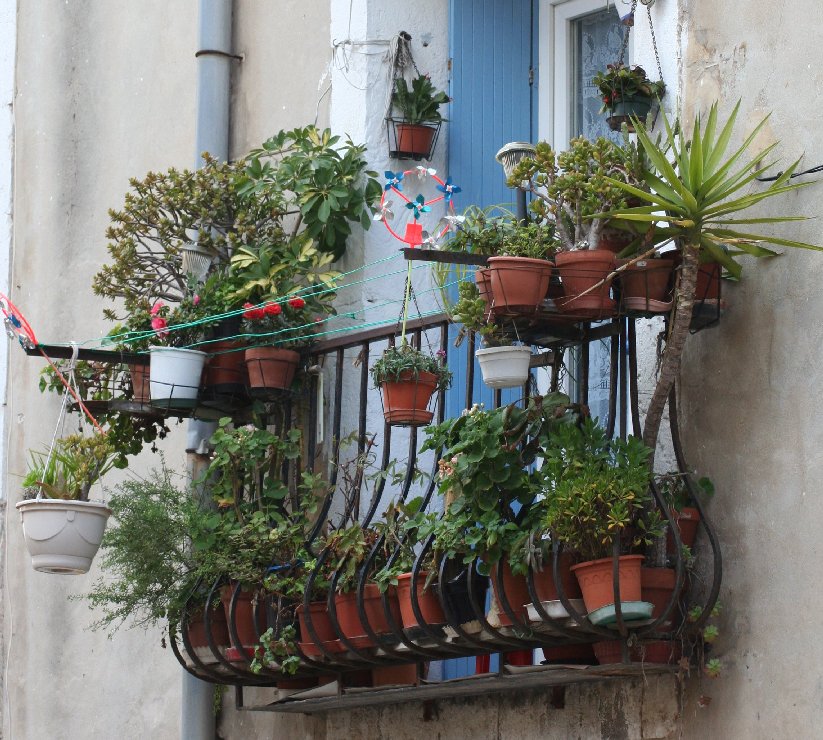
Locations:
(494, 101)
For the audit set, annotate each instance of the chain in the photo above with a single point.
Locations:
(625, 43)
(648, 4)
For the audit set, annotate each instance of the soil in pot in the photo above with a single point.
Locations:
(270, 368)
(579, 271)
(244, 615)
(517, 594)
(597, 581)
(405, 401)
(657, 586)
(218, 627)
(518, 284)
(414, 140)
(646, 285)
(544, 583)
(427, 600)
(348, 617)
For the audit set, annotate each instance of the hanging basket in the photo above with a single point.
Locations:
(411, 140)
(406, 401)
(622, 111)
(270, 368)
(63, 536)
(175, 377)
(504, 367)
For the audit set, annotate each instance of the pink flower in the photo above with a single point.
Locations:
(157, 307)
(195, 300)
(273, 309)
(296, 302)
(158, 323)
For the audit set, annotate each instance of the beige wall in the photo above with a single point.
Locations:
(104, 92)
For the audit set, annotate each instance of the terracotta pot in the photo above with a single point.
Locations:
(581, 654)
(427, 600)
(244, 617)
(320, 621)
(688, 520)
(708, 282)
(405, 401)
(297, 684)
(646, 285)
(271, 367)
(597, 584)
(395, 675)
(517, 594)
(225, 372)
(609, 652)
(483, 282)
(414, 140)
(218, 627)
(544, 583)
(518, 284)
(658, 651)
(348, 617)
(141, 388)
(579, 271)
(614, 240)
(657, 586)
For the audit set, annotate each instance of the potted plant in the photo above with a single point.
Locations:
(646, 284)
(597, 494)
(627, 92)
(420, 117)
(408, 378)
(573, 191)
(502, 363)
(62, 528)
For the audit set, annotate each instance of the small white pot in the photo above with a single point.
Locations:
(504, 367)
(174, 376)
(63, 536)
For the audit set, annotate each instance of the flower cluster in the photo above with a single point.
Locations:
(273, 317)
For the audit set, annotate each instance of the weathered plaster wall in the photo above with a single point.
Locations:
(103, 92)
(751, 385)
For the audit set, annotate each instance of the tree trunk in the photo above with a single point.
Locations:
(673, 353)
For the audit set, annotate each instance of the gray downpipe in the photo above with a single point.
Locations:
(214, 58)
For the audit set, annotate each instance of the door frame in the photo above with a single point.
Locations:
(555, 64)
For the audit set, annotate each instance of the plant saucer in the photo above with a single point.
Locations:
(631, 611)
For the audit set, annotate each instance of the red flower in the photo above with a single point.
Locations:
(296, 302)
(272, 309)
(158, 323)
(252, 313)
(157, 307)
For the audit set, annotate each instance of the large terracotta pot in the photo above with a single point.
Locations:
(657, 585)
(140, 384)
(597, 584)
(518, 284)
(244, 615)
(579, 271)
(708, 282)
(688, 520)
(414, 140)
(225, 373)
(544, 583)
(427, 600)
(646, 285)
(218, 627)
(321, 622)
(405, 401)
(271, 368)
(517, 594)
(348, 617)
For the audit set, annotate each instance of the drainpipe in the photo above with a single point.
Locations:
(214, 57)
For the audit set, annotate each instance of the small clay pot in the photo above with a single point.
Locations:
(405, 401)
(597, 580)
(517, 594)
(271, 367)
(427, 601)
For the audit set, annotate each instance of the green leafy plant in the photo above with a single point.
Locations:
(693, 188)
(419, 103)
(675, 492)
(406, 359)
(533, 240)
(76, 463)
(472, 312)
(596, 488)
(620, 82)
(277, 648)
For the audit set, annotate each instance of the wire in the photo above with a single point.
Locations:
(810, 171)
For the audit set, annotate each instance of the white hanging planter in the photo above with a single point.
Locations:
(504, 367)
(63, 536)
(174, 376)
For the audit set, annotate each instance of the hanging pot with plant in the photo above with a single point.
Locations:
(627, 93)
(413, 134)
(408, 379)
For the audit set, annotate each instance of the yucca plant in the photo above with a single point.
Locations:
(694, 189)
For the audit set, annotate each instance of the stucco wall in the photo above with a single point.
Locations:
(751, 385)
(106, 91)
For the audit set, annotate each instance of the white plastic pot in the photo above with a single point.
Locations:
(174, 377)
(504, 367)
(63, 536)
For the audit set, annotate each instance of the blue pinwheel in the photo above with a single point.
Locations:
(393, 180)
(418, 205)
(448, 189)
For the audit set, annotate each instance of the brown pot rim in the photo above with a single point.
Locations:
(600, 561)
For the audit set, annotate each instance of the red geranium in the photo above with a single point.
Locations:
(253, 313)
(296, 302)
(272, 309)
